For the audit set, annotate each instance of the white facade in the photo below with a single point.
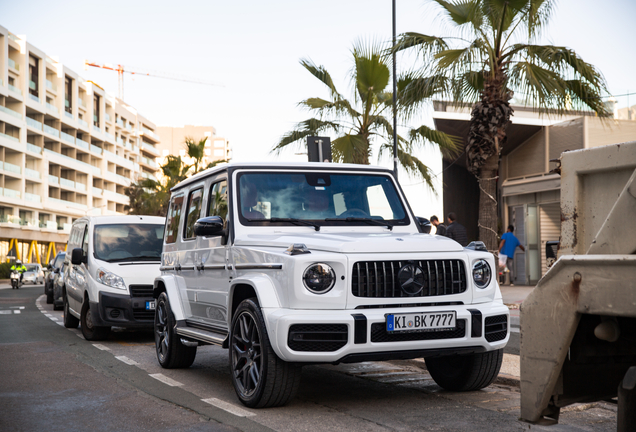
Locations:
(67, 148)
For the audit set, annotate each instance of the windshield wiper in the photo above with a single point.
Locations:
(291, 221)
(135, 258)
(365, 220)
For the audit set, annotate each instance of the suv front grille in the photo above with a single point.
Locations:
(496, 328)
(379, 279)
(143, 315)
(379, 334)
(141, 290)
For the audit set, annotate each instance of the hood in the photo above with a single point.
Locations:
(133, 273)
(354, 242)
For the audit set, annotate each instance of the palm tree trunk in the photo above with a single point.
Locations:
(488, 202)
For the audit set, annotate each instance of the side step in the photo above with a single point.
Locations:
(208, 336)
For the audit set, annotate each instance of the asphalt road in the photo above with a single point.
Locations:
(52, 379)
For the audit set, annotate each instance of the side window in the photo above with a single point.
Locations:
(173, 219)
(218, 200)
(85, 241)
(194, 210)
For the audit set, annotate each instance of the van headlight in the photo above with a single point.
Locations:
(110, 279)
(481, 273)
(319, 278)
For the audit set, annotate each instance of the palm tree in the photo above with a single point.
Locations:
(358, 122)
(196, 151)
(493, 57)
(151, 197)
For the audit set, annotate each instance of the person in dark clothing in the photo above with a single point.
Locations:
(456, 231)
(439, 227)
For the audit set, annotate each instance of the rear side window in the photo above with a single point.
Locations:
(194, 210)
(173, 219)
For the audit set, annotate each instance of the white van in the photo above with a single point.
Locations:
(111, 264)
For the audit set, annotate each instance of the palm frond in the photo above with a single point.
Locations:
(449, 145)
(425, 44)
(309, 127)
(463, 12)
(350, 148)
(321, 73)
(411, 164)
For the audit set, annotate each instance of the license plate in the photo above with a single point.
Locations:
(150, 305)
(429, 321)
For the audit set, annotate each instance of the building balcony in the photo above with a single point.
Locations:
(34, 98)
(32, 173)
(51, 130)
(82, 144)
(150, 163)
(9, 137)
(68, 138)
(10, 168)
(67, 204)
(10, 193)
(150, 148)
(119, 123)
(14, 89)
(51, 87)
(13, 65)
(52, 109)
(96, 150)
(33, 123)
(11, 112)
(32, 197)
(83, 124)
(34, 149)
(149, 134)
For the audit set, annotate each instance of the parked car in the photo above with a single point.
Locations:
(58, 289)
(54, 269)
(109, 272)
(33, 274)
(292, 264)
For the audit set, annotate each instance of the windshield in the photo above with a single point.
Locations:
(319, 197)
(128, 242)
(31, 268)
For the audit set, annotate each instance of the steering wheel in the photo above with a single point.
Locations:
(354, 212)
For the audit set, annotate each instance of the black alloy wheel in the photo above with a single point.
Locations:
(171, 353)
(260, 378)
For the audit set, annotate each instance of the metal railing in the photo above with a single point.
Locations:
(32, 173)
(9, 167)
(68, 138)
(15, 89)
(34, 98)
(13, 64)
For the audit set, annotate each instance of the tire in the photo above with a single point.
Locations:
(260, 378)
(91, 332)
(69, 320)
(171, 353)
(467, 372)
(49, 297)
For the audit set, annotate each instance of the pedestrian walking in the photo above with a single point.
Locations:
(507, 247)
(455, 230)
(440, 228)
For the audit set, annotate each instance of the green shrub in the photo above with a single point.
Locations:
(5, 270)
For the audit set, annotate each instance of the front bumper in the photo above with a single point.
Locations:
(360, 335)
(122, 310)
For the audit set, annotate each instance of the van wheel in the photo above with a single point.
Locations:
(260, 378)
(91, 332)
(69, 320)
(466, 372)
(49, 297)
(171, 353)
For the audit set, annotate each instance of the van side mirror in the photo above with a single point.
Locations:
(209, 226)
(77, 256)
(425, 224)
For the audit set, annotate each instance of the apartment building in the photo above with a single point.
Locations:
(528, 188)
(173, 139)
(67, 149)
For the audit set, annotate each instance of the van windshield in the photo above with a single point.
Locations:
(128, 242)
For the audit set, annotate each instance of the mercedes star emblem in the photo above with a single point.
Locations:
(411, 278)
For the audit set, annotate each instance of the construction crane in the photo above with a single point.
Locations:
(121, 69)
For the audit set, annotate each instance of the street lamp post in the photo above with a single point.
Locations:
(395, 146)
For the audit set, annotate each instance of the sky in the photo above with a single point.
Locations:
(252, 48)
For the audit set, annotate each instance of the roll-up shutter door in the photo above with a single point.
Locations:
(550, 220)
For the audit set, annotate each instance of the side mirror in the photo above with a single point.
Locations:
(77, 256)
(56, 270)
(208, 227)
(425, 224)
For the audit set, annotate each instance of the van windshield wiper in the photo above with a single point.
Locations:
(291, 221)
(135, 258)
(365, 220)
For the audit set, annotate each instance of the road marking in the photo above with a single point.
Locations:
(164, 379)
(5, 312)
(126, 360)
(53, 319)
(514, 330)
(60, 323)
(48, 315)
(226, 406)
(16, 307)
(17, 311)
(101, 347)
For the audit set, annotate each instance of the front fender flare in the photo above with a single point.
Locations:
(174, 286)
(263, 286)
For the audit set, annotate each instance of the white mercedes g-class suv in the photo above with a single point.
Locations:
(292, 264)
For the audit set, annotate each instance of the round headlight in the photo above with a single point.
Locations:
(319, 278)
(481, 273)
